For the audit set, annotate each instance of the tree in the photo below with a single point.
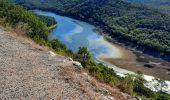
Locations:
(84, 56)
(56, 45)
(140, 88)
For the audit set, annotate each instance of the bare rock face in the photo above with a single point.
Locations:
(30, 73)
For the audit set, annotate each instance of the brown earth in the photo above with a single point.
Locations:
(28, 71)
(135, 61)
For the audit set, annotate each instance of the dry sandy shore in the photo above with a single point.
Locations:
(29, 72)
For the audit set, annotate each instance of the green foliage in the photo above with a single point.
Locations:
(143, 91)
(163, 5)
(119, 22)
(16, 14)
(56, 45)
(83, 56)
(104, 74)
(98, 70)
(140, 24)
(138, 81)
(50, 21)
(132, 83)
(162, 96)
(36, 27)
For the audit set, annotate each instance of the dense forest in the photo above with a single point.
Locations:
(36, 27)
(142, 25)
(163, 5)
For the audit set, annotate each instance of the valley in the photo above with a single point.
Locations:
(74, 34)
(123, 45)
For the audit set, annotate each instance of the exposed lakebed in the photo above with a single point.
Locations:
(74, 34)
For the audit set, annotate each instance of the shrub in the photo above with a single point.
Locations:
(162, 96)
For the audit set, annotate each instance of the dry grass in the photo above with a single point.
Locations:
(89, 85)
(34, 70)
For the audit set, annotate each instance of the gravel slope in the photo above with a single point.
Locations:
(29, 72)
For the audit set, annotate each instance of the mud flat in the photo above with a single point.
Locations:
(74, 34)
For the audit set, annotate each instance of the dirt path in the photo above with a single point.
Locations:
(28, 71)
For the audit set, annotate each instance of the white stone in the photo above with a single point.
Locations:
(78, 64)
(51, 53)
(69, 59)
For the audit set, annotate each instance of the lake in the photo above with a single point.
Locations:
(74, 34)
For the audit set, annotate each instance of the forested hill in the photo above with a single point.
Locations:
(162, 4)
(140, 24)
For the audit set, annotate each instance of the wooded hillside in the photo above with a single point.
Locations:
(139, 24)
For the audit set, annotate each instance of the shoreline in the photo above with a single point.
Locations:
(107, 41)
(117, 38)
(149, 78)
(140, 62)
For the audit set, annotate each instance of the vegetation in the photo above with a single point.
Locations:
(50, 21)
(137, 23)
(83, 56)
(14, 16)
(132, 84)
(36, 27)
(163, 5)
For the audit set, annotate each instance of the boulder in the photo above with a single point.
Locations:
(69, 59)
(51, 53)
(77, 64)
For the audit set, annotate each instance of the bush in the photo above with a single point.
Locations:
(139, 87)
(84, 56)
(162, 96)
(24, 21)
(16, 14)
(56, 45)
(50, 21)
